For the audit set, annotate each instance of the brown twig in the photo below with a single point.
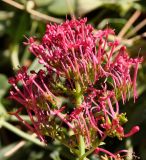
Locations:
(14, 4)
(33, 12)
(44, 16)
(128, 24)
(136, 28)
(136, 38)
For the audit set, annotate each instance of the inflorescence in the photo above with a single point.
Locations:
(88, 70)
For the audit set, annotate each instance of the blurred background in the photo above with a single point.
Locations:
(22, 18)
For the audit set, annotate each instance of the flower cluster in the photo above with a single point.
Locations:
(88, 70)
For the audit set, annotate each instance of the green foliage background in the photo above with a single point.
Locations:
(15, 22)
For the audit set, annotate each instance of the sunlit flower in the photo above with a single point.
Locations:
(88, 70)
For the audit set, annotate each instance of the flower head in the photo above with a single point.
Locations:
(88, 70)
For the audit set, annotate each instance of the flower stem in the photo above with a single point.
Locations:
(92, 149)
(81, 145)
(78, 93)
(87, 153)
(78, 103)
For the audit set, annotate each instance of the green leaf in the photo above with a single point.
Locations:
(86, 6)
(2, 111)
(4, 85)
(60, 7)
(41, 3)
(18, 30)
(116, 23)
(36, 65)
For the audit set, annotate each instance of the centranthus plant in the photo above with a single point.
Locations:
(92, 73)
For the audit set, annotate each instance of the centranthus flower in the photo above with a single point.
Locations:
(90, 72)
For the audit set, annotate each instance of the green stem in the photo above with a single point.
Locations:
(78, 93)
(87, 153)
(14, 56)
(82, 146)
(21, 133)
(92, 149)
(13, 118)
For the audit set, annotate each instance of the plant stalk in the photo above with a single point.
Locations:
(78, 103)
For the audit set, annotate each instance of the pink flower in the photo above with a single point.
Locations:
(79, 65)
(73, 51)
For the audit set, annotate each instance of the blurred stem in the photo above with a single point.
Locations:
(13, 150)
(25, 56)
(15, 4)
(6, 116)
(130, 149)
(21, 133)
(33, 27)
(129, 23)
(93, 148)
(136, 28)
(78, 103)
(14, 56)
(14, 119)
(31, 11)
(78, 92)
(81, 146)
(87, 153)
